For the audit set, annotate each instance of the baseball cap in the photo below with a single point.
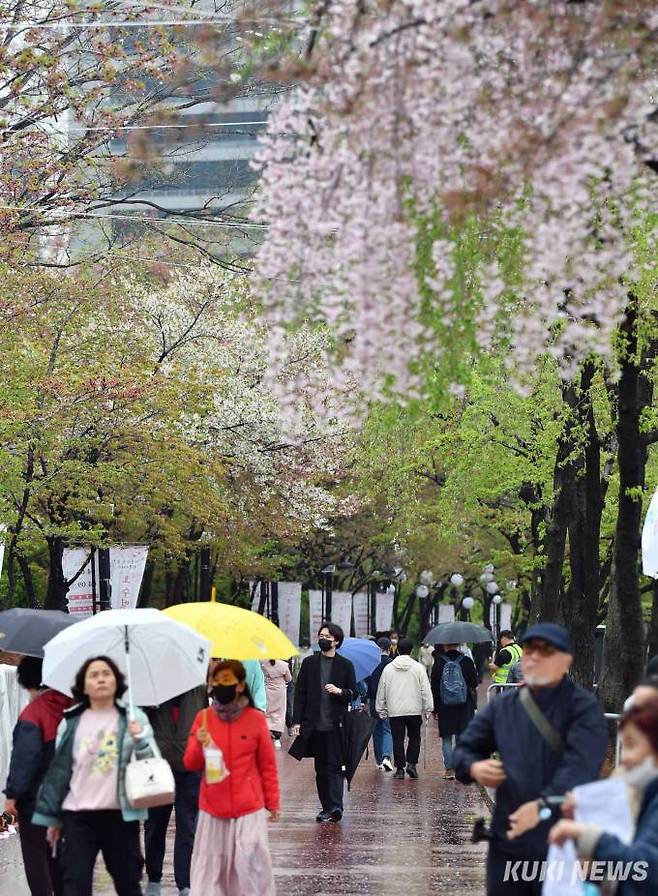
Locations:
(555, 634)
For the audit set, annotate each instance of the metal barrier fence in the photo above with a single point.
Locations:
(611, 716)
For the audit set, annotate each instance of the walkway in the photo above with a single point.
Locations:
(397, 837)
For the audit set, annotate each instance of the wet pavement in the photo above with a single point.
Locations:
(407, 834)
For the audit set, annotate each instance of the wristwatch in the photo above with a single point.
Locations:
(545, 811)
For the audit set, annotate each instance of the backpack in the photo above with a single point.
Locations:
(453, 684)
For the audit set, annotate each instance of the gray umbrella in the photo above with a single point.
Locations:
(458, 633)
(26, 631)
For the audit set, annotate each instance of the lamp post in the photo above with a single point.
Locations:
(495, 602)
(327, 573)
(467, 605)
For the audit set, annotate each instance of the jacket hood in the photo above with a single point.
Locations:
(55, 701)
(403, 663)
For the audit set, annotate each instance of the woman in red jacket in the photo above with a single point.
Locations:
(231, 743)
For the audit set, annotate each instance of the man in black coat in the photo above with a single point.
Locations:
(528, 769)
(325, 687)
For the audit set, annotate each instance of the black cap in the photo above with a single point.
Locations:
(555, 634)
(384, 644)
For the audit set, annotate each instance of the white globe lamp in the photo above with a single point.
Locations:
(496, 599)
(422, 591)
(468, 603)
(457, 580)
(492, 588)
(426, 577)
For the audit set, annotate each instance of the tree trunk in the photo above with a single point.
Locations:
(144, 598)
(624, 640)
(580, 607)
(30, 590)
(57, 587)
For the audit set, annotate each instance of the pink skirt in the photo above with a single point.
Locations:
(231, 857)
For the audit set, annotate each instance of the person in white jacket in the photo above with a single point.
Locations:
(404, 696)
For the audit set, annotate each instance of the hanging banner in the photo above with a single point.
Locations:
(446, 613)
(384, 611)
(290, 609)
(360, 612)
(650, 540)
(127, 564)
(80, 596)
(505, 617)
(314, 614)
(341, 610)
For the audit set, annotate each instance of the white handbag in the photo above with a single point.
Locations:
(149, 783)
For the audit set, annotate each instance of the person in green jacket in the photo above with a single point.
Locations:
(82, 799)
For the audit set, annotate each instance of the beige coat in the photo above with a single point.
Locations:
(277, 677)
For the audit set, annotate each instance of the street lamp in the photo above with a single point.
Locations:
(327, 572)
(457, 580)
(422, 591)
(466, 607)
(496, 600)
(426, 577)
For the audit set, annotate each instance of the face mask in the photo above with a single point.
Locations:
(224, 693)
(643, 774)
(325, 644)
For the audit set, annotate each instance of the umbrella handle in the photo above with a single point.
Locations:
(131, 705)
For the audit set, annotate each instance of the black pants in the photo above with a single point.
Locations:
(88, 833)
(505, 877)
(155, 830)
(411, 725)
(41, 869)
(329, 779)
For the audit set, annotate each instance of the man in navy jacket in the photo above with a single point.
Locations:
(526, 769)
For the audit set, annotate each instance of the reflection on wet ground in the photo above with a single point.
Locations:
(410, 836)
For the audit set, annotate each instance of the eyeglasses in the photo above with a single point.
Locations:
(543, 648)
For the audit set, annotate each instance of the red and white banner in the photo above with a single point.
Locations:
(360, 611)
(314, 614)
(290, 609)
(505, 617)
(446, 613)
(80, 596)
(127, 564)
(384, 611)
(341, 610)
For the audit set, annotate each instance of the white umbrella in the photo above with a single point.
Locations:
(160, 657)
(650, 540)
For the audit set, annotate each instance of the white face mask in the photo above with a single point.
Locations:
(643, 774)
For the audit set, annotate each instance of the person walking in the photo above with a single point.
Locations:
(32, 751)
(277, 677)
(639, 764)
(382, 739)
(230, 744)
(535, 741)
(454, 690)
(83, 794)
(171, 723)
(426, 658)
(404, 696)
(508, 655)
(325, 687)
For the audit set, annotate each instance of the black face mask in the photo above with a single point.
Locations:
(224, 693)
(325, 644)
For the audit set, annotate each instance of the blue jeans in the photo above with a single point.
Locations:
(448, 745)
(382, 740)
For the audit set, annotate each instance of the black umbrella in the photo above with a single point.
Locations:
(26, 631)
(458, 633)
(357, 731)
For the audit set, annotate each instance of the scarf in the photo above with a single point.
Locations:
(229, 712)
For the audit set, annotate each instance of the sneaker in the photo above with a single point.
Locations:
(399, 774)
(184, 892)
(380, 766)
(336, 815)
(387, 765)
(152, 888)
(323, 816)
(411, 770)
(277, 745)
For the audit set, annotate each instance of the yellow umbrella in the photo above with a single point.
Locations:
(234, 633)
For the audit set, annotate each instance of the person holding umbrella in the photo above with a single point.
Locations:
(230, 744)
(33, 748)
(83, 795)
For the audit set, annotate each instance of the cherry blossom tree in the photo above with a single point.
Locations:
(532, 117)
